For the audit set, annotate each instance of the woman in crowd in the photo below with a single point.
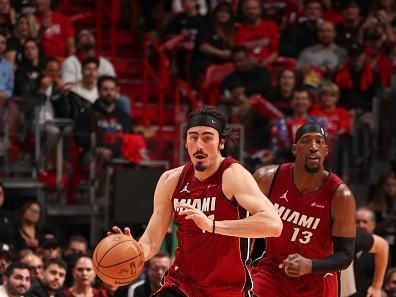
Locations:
(29, 233)
(283, 91)
(83, 278)
(214, 42)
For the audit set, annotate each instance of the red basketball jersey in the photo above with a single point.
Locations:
(306, 217)
(208, 264)
(306, 231)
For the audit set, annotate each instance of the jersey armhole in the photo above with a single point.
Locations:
(273, 180)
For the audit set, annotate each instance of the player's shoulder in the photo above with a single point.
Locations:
(264, 177)
(266, 172)
(343, 192)
(172, 174)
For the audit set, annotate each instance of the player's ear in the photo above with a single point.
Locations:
(293, 149)
(222, 143)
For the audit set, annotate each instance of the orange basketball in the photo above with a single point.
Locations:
(118, 260)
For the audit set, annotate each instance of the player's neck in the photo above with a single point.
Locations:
(308, 182)
(202, 175)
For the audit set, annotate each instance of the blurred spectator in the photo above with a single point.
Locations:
(7, 74)
(364, 262)
(29, 233)
(178, 6)
(323, 59)
(214, 41)
(347, 31)
(36, 267)
(248, 79)
(24, 29)
(7, 18)
(302, 35)
(156, 268)
(27, 84)
(390, 283)
(386, 8)
(377, 37)
(109, 121)
(5, 260)
(85, 47)
(52, 92)
(359, 84)
(16, 281)
(7, 229)
(281, 94)
(276, 10)
(84, 275)
(384, 205)
(50, 248)
(77, 245)
(86, 89)
(357, 81)
(338, 126)
(260, 37)
(56, 31)
(378, 249)
(186, 23)
(284, 129)
(52, 281)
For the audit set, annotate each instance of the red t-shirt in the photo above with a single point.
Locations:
(261, 40)
(53, 39)
(336, 120)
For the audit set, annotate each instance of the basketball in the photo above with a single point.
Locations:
(118, 260)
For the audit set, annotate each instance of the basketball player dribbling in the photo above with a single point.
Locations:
(318, 214)
(211, 197)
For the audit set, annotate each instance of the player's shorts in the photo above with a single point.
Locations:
(270, 281)
(175, 282)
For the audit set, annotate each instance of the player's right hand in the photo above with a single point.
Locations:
(117, 230)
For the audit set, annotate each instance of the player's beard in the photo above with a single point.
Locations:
(311, 170)
(200, 167)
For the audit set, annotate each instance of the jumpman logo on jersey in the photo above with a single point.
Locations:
(284, 196)
(185, 189)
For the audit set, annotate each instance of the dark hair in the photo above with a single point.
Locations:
(55, 261)
(78, 238)
(76, 257)
(307, 2)
(1, 185)
(346, 3)
(239, 49)
(50, 60)
(160, 254)
(89, 60)
(15, 265)
(105, 78)
(301, 89)
(41, 56)
(227, 27)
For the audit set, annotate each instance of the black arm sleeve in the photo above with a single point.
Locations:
(339, 260)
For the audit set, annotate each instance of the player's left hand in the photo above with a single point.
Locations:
(199, 218)
(374, 292)
(296, 265)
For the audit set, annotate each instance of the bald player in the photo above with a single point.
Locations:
(318, 214)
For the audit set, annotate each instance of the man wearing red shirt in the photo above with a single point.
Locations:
(260, 37)
(56, 31)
